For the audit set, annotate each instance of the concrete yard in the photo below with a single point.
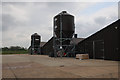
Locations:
(41, 66)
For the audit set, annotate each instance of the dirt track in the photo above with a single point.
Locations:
(40, 66)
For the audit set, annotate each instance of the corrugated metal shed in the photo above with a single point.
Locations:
(104, 44)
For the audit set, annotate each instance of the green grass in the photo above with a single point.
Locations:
(14, 52)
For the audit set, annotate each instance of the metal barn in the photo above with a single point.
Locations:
(104, 44)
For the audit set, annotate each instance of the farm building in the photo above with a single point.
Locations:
(104, 44)
(47, 48)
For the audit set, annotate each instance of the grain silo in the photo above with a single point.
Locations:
(63, 32)
(35, 44)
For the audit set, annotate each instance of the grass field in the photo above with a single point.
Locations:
(15, 52)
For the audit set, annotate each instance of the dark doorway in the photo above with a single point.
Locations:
(89, 49)
(95, 49)
(99, 49)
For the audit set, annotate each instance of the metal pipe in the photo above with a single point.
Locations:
(61, 34)
(93, 49)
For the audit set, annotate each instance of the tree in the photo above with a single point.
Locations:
(5, 48)
(13, 48)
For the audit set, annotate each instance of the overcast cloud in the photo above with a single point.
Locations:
(21, 19)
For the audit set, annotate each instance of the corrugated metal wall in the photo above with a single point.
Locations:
(104, 44)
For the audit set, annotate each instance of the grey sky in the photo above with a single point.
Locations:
(21, 19)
